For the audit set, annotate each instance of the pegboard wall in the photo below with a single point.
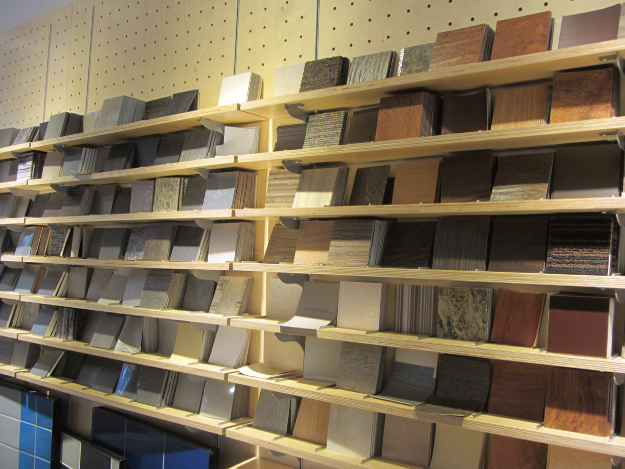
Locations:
(73, 58)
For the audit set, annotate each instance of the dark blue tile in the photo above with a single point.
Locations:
(43, 444)
(45, 412)
(108, 430)
(41, 464)
(29, 408)
(182, 454)
(26, 461)
(27, 438)
(144, 448)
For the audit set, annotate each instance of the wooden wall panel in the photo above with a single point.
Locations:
(275, 33)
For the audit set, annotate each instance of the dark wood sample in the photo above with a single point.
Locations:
(142, 196)
(357, 243)
(580, 325)
(523, 177)
(466, 178)
(466, 112)
(582, 244)
(462, 46)
(524, 35)
(580, 401)
(513, 453)
(517, 318)
(361, 126)
(587, 171)
(518, 390)
(416, 182)
(590, 27)
(461, 243)
(282, 245)
(290, 137)
(519, 244)
(409, 245)
(313, 242)
(406, 116)
(369, 185)
(325, 129)
(583, 95)
(324, 73)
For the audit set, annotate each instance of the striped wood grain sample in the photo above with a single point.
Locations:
(584, 95)
(282, 245)
(466, 178)
(313, 242)
(312, 421)
(325, 129)
(369, 185)
(521, 36)
(523, 177)
(519, 244)
(522, 106)
(462, 46)
(409, 245)
(580, 401)
(416, 182)
(513, 453)
(517, 318)
(461, 243)
(371, 67)
(357, 243)
(281, 188)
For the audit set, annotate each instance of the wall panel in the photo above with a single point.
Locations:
(58, 62)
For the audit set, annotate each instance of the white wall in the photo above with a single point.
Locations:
(16, 12)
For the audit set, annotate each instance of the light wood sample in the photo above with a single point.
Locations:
(312, 421)
(522, 106)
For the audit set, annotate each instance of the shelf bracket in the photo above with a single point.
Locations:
(58, 267)
(619, 295)
(295, 111)
(293, 278)
(16, 154)
(620, 137)
(296, 166)
(292, 223)
(205, 224)
(59, 227)
(208, 274)
(619, 378)
(620, 218)
(10, 302)
(276, 454)
(285, 338)
(14, 265)
(60, 188)
(204, 172)
(19, 192)
(15, 228)
(616, 460)
(61, 148)
(212, 125)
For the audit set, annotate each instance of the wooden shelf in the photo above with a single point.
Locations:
(10, 371)
(443, 277)
(168, 414)
(6, 153)
(6, 187)
(464, 77)
(132, 218)
(512, 207)
(116, 264)
(10, 333)
(184, 168)
(437, 145)
(12, 221)
(307, 450)
(225, 114)
(258, 323)
(206, 370)
(9, 295)
(172, 314)
(259, 463)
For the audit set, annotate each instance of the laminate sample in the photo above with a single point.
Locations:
(361, 367)
(198, 294)
(517, 318)
(461, 243)
(130, 336)
(184, 101)
(409, 383)
(106, 381)
(321, 359)
(590, 27)
(462, 46)
(122, 201)
(193, 192)
(317, 307)
(287, 80)
(357, 243)
(524, 35)
(416, 309)
(107, 331)
(466, 112)
(282, 245)
(361, 126)
(321, 187)
(407, 116)
(290, 137)
(113, 243)
(275, 412)
(145, 151)
(464, 313)
(407, 441)
(415, 59)
(312, 421)
(169, 149)
(580, 401)
(518, 390)
(466, 178)
(519, 244)
(583, 95)
(371, 67)
(240, 88)
(152, 382)
(103, 200)
(523, 177)
(313, 242)
(362, 306)
(281, 188)
(189, 244)
(142, 196)
(560, 457)
(369, 185)
(200, 144)
(136, 243)
(230, 347)
(409, 245)
(513, 453)
(583, 244)
(324, 73)
(354, 432)
(580, 325)
(416, 182)
(231, 296)
(587, 171)
(189, 391)
(224, 401)
(156, 289)
(158, 242)
(167, 194)
(325, 129)
(522, 106)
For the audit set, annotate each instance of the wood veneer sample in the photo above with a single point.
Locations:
(416, 182)
(518, 390)
(466, 112)
(590, 27)
(458, 448)
(313, 242)
(462, 46)
(519, 244)
(522, 106)
(580, 401)
(406, 116)
(565, 458)
(409, 245)
(584, 95)
(466, 178)
(524, 35)
(281, 188)
(369, 185)
(461, 243)
(523, 177)
(407, 441)
(312, 421)
(357, 243)
(517, 318)
(282, 245)
(580, 325)
(513, 453)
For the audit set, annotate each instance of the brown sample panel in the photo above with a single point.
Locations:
(518, 390)
(409, 245)
(583, 95)
(357, 243)
(523, 177)
(142, 196)
(517, 318)
(513, 453)
(519, 244)
(580, 325)
(567, 458)
(406, 116)
(281, 188)
(523, 106)
(281, 246)
(590, 27)
(466, 112)
(416, 182)
(312, 421)
(466, 178)
(521, 36)
(462, 46)
(461, 243)
(407, 441)
(580, 401)
(369, 185)
(313, 242)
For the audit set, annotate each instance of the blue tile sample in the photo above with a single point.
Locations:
(26, 461)
(144, 448)
(27, 438)
(45, 412)
(108, 430)
(41, 464)
(29, 408)
(43, 445)
(181, 454)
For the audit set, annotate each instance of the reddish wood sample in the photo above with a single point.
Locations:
(517, 318)
(416, 182)
(513, 453)
(523, 35)
(462, 46)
